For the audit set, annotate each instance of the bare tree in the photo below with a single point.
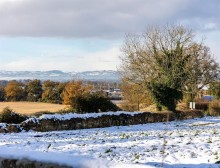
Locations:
(135, 96)
(202, 70)
(163, 59)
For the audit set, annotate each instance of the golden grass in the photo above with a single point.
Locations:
(152, 108)
(31, 107)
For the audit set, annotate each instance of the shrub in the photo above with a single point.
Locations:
(218, 162)
(8, 116)
(214, 108)
(129, 107)
(94, 103)
(40, 113)
(214, 89)
(65, 111)
(202, 106)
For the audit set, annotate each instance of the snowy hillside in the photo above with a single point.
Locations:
(57, 75)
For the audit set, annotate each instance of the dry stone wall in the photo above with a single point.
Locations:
(10, 128)
(102, 121)
(25, 163)
(108, 120)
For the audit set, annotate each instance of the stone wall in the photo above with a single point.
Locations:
(25, 163)
(108, 120)
(10, 128)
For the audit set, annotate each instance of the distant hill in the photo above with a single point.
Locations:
(56, 75)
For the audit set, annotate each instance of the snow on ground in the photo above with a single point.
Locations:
(3, 125)
(64, 159)
(189, 143)
(69, 116)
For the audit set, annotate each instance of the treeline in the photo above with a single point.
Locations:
(45, 91)
(78, 95)
(34, 91)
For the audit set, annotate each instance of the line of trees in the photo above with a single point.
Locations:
(74, 93)
(47, 91)
(34, 91)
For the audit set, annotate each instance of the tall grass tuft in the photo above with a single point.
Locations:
(214, 108)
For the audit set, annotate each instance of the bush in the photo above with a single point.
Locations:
(165, 96)
(202, 106)
(214, 108)
(129, 107)
(2, 93)
(40, 113)
(8, 116)
(94, 103)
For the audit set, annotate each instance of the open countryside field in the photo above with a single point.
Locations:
(32, 107)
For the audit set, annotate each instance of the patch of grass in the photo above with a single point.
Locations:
(108, 151)
(209, 140)
(124, 136)
(29, 108)
(215, 132)
(218, 162)
(137, 156)
(214, 108)
(197, 133)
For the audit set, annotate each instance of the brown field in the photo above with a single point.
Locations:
(31, 107)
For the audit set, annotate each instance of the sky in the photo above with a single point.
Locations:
(82, 35)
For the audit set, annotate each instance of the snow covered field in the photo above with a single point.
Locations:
(189, 143)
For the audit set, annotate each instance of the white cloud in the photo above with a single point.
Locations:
(101, 60)
(211, 26)
(92, 19)
(98, 18)
(104, 60)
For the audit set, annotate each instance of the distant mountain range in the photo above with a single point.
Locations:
(56, 75)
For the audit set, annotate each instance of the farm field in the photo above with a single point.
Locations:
(188, 143)
(31, 107)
